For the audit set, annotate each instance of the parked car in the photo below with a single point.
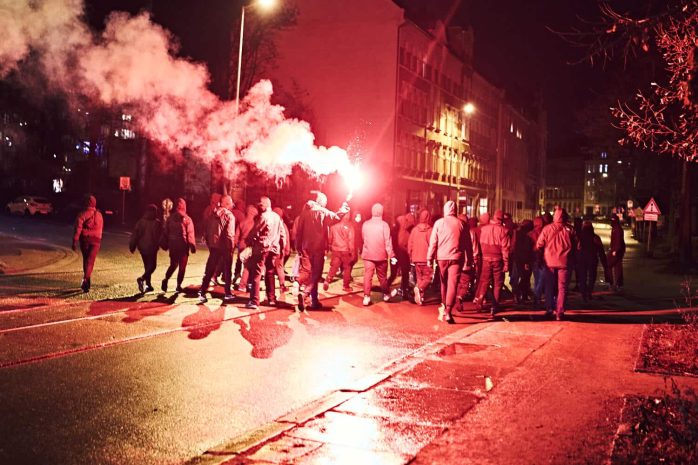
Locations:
(29, 205)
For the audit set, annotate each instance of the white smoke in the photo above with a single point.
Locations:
(133, 63)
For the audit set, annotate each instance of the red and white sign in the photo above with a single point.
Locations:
(651, 211)
(125, 183)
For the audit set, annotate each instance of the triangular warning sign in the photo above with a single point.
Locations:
(652, 208)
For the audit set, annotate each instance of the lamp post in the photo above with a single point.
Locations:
(468, 110)
(266, 4)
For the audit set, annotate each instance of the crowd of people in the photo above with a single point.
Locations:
(465, 258)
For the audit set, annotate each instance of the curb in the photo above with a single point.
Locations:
(244, 442)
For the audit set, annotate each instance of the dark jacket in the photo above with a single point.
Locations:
(524, 245)
(418, 243)
(313, 226)
(342, 236)
(146, 234)
(246, 226)
(495, 241)
(590, 247)
(617, 246)
(179, 230)
(89, 223)
(450, 238)
(220, 230)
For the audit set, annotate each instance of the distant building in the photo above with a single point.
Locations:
(565, 185)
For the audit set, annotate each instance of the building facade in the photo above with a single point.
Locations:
(564, 185)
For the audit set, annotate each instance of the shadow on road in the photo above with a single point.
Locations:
(266, 332)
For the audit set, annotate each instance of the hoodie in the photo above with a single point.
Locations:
(342, 236)
(418, 243)
(246, 226)
(146, 234)
(313, 226)
(450, 238)
(89, 223)
(378, 245)
(558, 242)
(179, 229)
(495, 241)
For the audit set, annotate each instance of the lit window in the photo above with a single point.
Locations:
(605, 175)
(604, 155)
(125, 117)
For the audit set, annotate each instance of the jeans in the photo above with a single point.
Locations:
(559, 277)
(424, 273)
(344, 259)
(262, 263)
(539, 281)
(218, 260)
(89, 251)
(379, 267)
(178, 259)
(310, 273)
(492, 272)
(449, 272)
(150, 262)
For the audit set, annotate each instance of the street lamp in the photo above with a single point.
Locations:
(469, 108)
(264, 4)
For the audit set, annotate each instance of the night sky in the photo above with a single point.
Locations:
(513, 47)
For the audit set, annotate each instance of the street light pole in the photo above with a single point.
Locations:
(237, 86)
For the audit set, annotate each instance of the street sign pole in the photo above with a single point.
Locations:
(124, 185)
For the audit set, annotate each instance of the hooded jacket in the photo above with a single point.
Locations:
(313, 226)
(89, 223)
(342, 236)
(220, 229)
(450, 238)
(495, 241)
(269, 234)
(558, 242)
(146, 234)
(418, 243)
(524, 244)
(378, 245)
(179, 229)
(617, 239)
(246, 226)
(590, 246)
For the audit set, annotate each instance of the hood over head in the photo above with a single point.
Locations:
(498, 216)
(538, 222)
(472, 222)
(484, 219)
(215, 198)
(279, 211)
(226, 202)
(526, 226)
(424, 216)
(614, 220)
(377, 210)
(151, 211)
(181, 206)
(450, 208)
(321, 198)
(90, 201)
(558, 215)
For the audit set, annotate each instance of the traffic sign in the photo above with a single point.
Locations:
(652, 208)
(125, 183)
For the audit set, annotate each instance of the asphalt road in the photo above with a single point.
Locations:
(111, 377)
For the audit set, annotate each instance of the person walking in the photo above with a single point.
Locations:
(495, 243)
(524, 257)
(246, 227)
(559, 243)
(468, 277)
(591, 251)
(538, 265)
(179, 238)
(281, 259)
(342, 245)
(311, 240)
(87, 234)
(220, 237)
(146, 239)
(616, 251)
(403, 227)
(450, 244)
(239, 214)
(417, 248)
(376, 251)
(266, 240)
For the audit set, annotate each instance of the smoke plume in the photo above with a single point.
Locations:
(133, 64)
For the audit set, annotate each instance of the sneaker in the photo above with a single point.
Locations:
(367, 301)
(386, 297)
(85, 285)
(394, 292)
(347, 289)
(326, 286)
(179, 288)
(149, 288)
(202, 298)
(271, 303)
(163, 286)
(141, 285)
(228, 298)
(450, 320)
(417, 296)
(315, 306)
(251, 306)
(558, 316)
(442, 312)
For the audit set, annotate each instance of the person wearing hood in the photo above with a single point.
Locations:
(616, 251)
(403, 227)
(311, 241)
(495, 243)
(538, 265)
(87, 234)
(281, 259)
(179, 238)
(267, 240)
(451, 245)
(220, 237)
(417, 248)
(342, 246)
(146, 238)
(590, 252)
(559, 243)
(467, 279)
(246, 226)
(376, 251)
